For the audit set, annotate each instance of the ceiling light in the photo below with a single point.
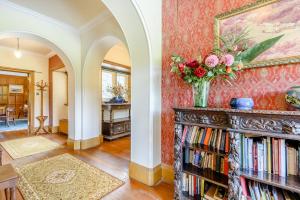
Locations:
(18, 52)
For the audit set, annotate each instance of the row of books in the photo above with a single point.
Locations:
(269, 155)
(217, 139)
(196, 187)
(257, 191)
(206, 160)
(191, 185)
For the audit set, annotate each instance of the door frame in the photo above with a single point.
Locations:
(31, 85)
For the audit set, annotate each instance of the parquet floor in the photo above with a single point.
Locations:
(112, 157)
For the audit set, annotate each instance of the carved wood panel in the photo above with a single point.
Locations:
(178, 162)
(261, 123)
(209, 118)
(270, 122)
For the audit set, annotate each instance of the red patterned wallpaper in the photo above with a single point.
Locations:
(188, 31)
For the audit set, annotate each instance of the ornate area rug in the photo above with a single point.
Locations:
(19, 148)
(64, 177)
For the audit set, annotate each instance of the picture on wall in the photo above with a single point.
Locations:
(17, 89)
(266, 19)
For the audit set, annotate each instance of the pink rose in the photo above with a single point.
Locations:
(227, 59)
(212, 61)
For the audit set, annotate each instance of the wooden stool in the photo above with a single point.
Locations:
(8, 181)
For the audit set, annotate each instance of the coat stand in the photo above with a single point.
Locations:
(42, 130)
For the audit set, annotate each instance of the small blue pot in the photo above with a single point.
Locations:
(118, 99)
(242, 103)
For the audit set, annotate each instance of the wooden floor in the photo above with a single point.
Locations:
(112, 157)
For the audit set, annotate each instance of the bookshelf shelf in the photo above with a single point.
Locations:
(205, 149)
(267, 134)
(291, 183)
(207, 174)
(203, 125)
(262, 123)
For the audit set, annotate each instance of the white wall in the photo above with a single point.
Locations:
(34, 62)
(118, 54)
(60, 109)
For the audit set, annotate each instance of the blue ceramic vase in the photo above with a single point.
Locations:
(118, 99)
(242, 103)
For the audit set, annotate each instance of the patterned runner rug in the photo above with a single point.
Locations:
(19, 148)
(64, 177)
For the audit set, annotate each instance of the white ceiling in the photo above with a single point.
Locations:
(75, 13)
(27, 45)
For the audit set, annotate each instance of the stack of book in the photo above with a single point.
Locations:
(256, 191)
(216, 139)
(206, 160)
(192, 185)
(196, 187)
(269, 155)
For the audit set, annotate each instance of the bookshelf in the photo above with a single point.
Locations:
(259, 124)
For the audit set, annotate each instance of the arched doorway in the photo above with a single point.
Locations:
(64, 58)
(146, 80)
(92, 92)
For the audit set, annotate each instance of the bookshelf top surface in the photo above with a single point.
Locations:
(229, 110)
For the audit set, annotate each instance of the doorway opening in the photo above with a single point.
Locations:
(116, 97)
(21, 101)
(14, 100)
(58, 96)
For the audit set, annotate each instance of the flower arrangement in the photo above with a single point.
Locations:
(221, 62)
(118, 93)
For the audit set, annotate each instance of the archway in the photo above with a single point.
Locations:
(91, 95)
(146, 86)
(68, 65)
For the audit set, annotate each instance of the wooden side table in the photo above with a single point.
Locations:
(8, 181)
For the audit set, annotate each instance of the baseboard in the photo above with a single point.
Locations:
(74, 144)
(90, 143)
(148, 176)
(85, 144)
(167, 173)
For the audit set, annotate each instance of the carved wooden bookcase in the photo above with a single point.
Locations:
(256, 122)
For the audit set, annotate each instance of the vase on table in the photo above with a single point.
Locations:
(200, 93)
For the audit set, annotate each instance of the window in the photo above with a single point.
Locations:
(107, 81)
(111, 78)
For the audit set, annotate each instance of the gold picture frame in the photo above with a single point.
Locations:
(258, 6)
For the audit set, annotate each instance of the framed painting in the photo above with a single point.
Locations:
(266, 19)
(16, 89)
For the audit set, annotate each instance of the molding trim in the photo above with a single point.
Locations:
(90, 143)
(74, 144)
(167, 173)
(38, 15)
(148, 176)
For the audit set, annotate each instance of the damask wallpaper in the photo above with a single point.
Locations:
(188, 31)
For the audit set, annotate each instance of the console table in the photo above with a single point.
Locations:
(115, 120)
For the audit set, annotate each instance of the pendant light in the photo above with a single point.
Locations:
(17, 52)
